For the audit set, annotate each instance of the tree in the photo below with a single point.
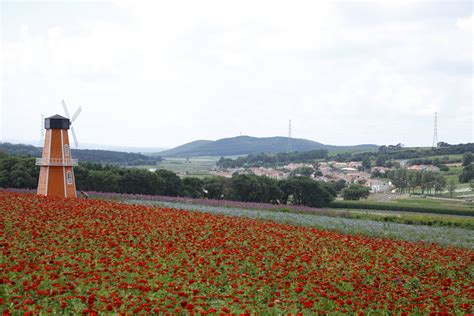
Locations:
(172, 183)
(246, 187)
(356, 192)
(307, 192)
(339, 185)
(18, 172)
(439, 183)
(451, 186)
(467, 159)
(399, 178)
(217, 188)
(380, 161)
(366, 163)
(304, 171)
(192, 187)
(427, 181)
(467, 174)
(140, 181)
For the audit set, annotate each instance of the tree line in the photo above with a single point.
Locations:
(406, 181)
(21, 172)
(92, 155)
(386, 154)
(263, 159)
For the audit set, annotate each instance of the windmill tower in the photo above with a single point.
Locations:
(56, 174)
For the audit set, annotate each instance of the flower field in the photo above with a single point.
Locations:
(93, 256)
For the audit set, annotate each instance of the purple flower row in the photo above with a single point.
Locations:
(209, 202)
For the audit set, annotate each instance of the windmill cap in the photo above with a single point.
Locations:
(57, 122)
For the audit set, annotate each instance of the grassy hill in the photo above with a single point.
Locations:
(91, 155)
(244, 145)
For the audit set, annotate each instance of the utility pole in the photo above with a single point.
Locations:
(289, 147)
(435, 134)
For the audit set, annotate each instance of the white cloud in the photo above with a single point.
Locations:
(182, 70)
(466, 24)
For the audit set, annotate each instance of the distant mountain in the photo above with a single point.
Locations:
(91, 155)
(244, 145)
(186, 148)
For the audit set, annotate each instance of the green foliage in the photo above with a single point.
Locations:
(467, 159)
(304, 171)
(243, 145)
(356, 192)
(21, 172)
(307, 192)
(366, 163)
(115, 157)
(172, 183)
(400, 207)
(451, 186)
(192, 187)
(98, 156)
(262, 159)
(467, 174)
(18, 172)
(380, 161)
(405, 180)
(339, 185)
(252, 188)
(217, 187)
(393, 152)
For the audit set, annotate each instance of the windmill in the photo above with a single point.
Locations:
(72, 119)
(56, 176)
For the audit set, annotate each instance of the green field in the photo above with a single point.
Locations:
(451, 157)
(187, 167)
(412, 204)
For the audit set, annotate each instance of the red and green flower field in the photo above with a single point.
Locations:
(92, 256)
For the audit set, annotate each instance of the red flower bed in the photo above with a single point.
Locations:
(87, 256)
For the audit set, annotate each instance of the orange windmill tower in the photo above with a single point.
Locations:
(56, 174)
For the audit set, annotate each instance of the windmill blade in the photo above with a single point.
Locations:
(74, 136)
(65, 108)
(76, 114)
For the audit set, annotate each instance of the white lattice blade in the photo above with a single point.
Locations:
(65, 109)
(76, 114)
(74, 136)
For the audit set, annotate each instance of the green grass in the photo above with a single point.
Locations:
(417, 205)
(417, 219)
(396, 217)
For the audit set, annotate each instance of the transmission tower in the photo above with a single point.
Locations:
(41, 141)
(435, 134)
(289, 148)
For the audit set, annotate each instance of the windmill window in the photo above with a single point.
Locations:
(69, 177)
(66, 150)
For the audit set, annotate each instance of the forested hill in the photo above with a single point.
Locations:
(244, 145)
(97, 156)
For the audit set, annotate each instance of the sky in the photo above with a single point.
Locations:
(163, 73)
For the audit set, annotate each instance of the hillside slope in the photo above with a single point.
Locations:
(244, 145)
(91, 155)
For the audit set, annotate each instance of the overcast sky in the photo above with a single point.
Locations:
(163, 73)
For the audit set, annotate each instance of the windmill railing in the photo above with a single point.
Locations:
(56, 162)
